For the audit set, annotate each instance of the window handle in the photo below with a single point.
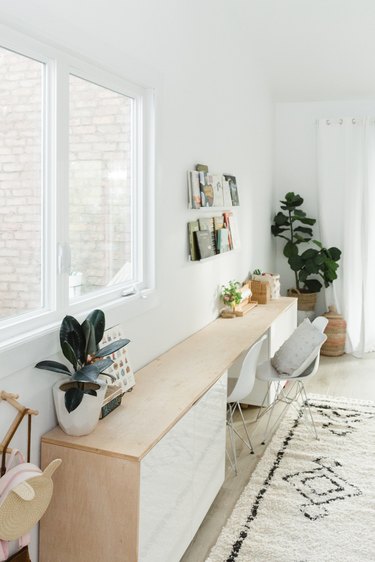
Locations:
(63, 258)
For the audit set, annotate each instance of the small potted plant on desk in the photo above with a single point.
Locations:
(78, 399)
(314, 267)
(231, 297)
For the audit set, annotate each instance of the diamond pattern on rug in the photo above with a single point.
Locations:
(321, 486)
(341, 421)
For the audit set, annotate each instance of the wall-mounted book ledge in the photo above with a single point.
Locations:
(215, 234)
(209, 236)
(211, 190)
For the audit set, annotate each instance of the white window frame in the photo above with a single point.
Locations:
(37, 329)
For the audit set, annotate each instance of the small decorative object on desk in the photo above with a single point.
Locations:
(261, 291)
(237, 299)
(272, 278)
(120, 369)
(78, 399)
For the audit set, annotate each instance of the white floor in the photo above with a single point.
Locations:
(341, 376)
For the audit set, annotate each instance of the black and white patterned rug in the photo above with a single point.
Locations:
(309, 500)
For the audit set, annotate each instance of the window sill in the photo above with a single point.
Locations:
(31, 347)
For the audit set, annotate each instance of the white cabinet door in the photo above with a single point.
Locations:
(209, 449)
(180, 478)
(166, 495)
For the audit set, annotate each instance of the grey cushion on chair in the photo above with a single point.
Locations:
(303, 343)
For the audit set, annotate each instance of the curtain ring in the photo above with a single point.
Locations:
(341, 121)
(354, 121)
(328, 122)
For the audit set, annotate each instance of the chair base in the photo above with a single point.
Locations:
(231, 408)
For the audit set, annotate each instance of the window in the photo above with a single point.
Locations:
(101, 182)
(75, 157)
(21, 184)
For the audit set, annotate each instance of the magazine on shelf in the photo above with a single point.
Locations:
(193, 226)
(207, 223)
(205, 246)
(233, 189)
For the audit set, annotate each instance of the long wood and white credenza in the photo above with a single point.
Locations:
(138, 487)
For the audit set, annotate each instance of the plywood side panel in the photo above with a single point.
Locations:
(94, 512)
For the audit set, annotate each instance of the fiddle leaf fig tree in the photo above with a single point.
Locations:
(314, 266)
(80, 345)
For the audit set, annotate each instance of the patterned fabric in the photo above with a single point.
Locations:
(304, 343)
(309, 500)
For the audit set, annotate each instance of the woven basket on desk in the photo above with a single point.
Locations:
(261, 291)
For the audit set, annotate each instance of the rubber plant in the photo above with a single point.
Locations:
(80, 345)
(294, 226)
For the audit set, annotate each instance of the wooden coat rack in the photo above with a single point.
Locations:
(22, 411)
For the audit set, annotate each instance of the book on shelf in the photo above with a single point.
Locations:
(233, 189)
(195, 194)
(226, 217)
(227, 199)
(193, 226)
(207, 223)
(205, 246)
(206, 190)
(234, 233)
(222, 240)
(217, 185)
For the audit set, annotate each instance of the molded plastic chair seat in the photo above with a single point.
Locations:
(239, 389)
(296, 389)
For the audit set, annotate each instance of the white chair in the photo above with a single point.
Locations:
(294, 382)
(238, 389)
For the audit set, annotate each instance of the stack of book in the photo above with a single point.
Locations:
(209, 236)
(211, 190)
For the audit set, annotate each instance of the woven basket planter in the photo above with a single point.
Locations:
(306, 301)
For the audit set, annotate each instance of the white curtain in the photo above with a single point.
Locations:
(346, 202)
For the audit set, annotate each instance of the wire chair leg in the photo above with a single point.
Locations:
(245, 428)
(231, 437)
(271, 412)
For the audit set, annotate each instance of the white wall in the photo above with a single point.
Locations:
(213, 107)
(296, 163)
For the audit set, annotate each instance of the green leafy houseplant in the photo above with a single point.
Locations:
(231, 294)
(294, 227)
(80, 345)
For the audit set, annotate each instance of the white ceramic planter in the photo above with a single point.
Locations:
(84, 418)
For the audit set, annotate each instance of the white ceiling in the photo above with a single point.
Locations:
(315, 49)
(307, 49)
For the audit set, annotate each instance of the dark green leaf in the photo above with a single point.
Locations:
(281, 219)
(309, 254)
(73, 398)
(335, 253)
(91, 392)
(88, 330)
(69, 353)
(306, 220)
(97, 319)
(313, 285)
(103, 364)
(290, 250)
(88, 373)
(311, 267)
(299, 213)
(304, 229)
(112, 347)
(295, 262)
(71, 332)
(53, 366)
